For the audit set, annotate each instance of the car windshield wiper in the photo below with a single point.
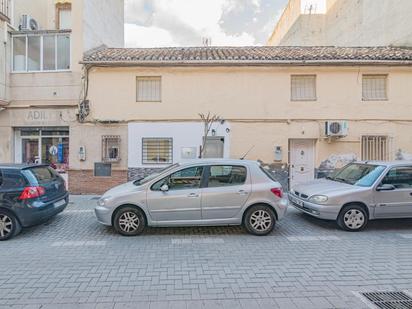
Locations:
(341, 180)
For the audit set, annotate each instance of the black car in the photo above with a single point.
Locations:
(29, 195)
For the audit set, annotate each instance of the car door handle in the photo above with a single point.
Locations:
(193, 195)
(242, 192)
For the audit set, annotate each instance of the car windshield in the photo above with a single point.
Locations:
(357, 174)
(143, 180)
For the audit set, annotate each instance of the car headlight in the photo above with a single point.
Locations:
(318, 199)
(103, 201)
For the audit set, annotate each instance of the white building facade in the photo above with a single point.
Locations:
(344, 23)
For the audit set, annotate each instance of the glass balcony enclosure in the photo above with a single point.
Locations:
(41, 51)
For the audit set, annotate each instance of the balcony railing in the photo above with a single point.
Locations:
(41, 51)
(5, 10)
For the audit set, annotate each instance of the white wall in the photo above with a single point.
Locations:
(184, 134)
(103, 23)
(349, 23)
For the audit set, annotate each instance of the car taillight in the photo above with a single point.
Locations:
(31, 192)
(277, 191)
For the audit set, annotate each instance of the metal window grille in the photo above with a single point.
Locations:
(376, 148)
(110, 148)
(149, 89)
(5, 8)
(157, 150)
(303, 87)
(374, 87)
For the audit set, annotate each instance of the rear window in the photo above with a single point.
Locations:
(40, 174)
(267, 173)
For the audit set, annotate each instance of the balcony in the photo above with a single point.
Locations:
(5, 10)
(41, 51)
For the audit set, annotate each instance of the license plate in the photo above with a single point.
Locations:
(297, 202)
(60, 203)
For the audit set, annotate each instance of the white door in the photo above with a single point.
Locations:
(302, 160)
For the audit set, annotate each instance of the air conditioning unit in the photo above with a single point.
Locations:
(28, 23)
(336, 128)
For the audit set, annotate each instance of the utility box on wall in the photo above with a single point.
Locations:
(278, 153)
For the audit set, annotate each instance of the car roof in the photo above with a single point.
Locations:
(387, 163)
(219, 161)
(20, 166)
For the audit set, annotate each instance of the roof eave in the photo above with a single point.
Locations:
(251, 63)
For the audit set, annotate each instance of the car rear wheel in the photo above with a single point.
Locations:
(129, 221)
(259, 220)
(9, 225)
(353, 218)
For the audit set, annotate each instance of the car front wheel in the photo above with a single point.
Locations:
(259, 220)
(353, 218)
(9, 225)
(129, 221)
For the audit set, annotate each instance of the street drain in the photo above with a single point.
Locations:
(389, 300)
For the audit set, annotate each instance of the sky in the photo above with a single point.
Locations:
(159, 23)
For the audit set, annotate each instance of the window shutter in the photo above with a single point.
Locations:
(148, 89)
(374, 87)
(303, 87)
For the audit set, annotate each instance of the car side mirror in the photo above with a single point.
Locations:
(385, 187)
(164, 188)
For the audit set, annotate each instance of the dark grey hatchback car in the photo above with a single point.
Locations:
(29, 195)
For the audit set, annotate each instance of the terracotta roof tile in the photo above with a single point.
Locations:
(249, 55)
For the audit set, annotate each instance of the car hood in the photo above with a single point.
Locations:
(324, 187)
(125, 188)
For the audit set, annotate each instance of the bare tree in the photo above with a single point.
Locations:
(208, 121)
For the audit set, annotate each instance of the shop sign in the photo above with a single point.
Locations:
(60, 157)
(41, 116)
(53, 150)
(36, 115)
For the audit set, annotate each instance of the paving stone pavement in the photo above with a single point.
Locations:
(74, 262)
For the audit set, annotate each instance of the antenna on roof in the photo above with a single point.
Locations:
(247, 152)
(206, 41)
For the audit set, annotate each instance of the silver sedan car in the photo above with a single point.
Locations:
(358, 192)
(203, 192)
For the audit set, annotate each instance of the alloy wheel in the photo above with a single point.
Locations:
(129, 222)
(354, 219)
(6, 226)
(260, 220)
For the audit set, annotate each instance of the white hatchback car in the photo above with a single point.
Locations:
(204, 192)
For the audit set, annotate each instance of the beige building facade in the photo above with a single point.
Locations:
(344, 23)
(102, 116)
(301, 111)
(42, 81)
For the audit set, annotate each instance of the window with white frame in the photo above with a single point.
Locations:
(110, 148)
(63, 16)
(157, 150)
(375, 147)
(149, 89)
(303, 87)
(374, 87)
(41, 52)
